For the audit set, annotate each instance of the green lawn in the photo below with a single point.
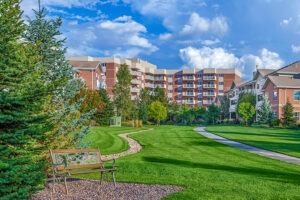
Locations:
(177, 155)
(286, 141)
(107, 139)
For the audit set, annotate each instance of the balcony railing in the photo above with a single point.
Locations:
(136, 66)
(186, 78)
(209, 94)
(189, 94)
(148, 77)
(189, 101)
(160, 85)
(135, 90)
(135, 73)
(188, 86)
(207, 78)
(207, 102)
(136, 81)
(209, 86)
(160, 78)
(149, 85)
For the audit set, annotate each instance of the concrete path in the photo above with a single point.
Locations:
(255, 150)
(134, 146)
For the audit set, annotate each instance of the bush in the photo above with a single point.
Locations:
(170, 122)
(275, 122)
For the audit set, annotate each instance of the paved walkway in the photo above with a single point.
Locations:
(134, 146)
(255, 150)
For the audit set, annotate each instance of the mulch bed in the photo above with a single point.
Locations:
(91, 189)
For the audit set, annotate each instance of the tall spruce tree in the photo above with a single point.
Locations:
(288, 118)
(224, 107)
(103, 117)
(264, 112)
(58, 75)
(121, 92)
(22, 95)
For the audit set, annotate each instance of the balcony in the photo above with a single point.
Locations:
(209, 94)
(209, 78)
(188, 78)
(189, 94)
(149, 85)
(160, 78)
(136, 82)
(136, 66)
(134, 97)
(209, 86)
(160, 85)
(148, 77)
(189, 101)
(135, 90)
(135, 73)
(208, 102)
(232, 108)
(188, 86)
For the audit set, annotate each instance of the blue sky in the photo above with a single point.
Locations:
(176, 34)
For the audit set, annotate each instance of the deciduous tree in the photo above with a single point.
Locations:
(246, 111)
(157, 111)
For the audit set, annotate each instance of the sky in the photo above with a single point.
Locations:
(176, 34)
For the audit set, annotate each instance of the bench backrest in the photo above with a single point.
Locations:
(75, 158)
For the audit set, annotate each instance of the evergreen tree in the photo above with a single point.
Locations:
(160, 95)
(145, 101)
(103, 117)
(264, 112)
(22, 96)
(121, 92)
(173, 111)
(288, 118)
(224, 107)
(58, 74)
(212, 114)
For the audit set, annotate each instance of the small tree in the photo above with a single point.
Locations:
(288, 118)
(160, 95)
(212, 114)
(264, 113)
(224, 107)
(157, 111)
(103, 117)
(246, 111)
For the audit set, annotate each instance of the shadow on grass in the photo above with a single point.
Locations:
(267, 173)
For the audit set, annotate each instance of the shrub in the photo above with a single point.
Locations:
(275, 122)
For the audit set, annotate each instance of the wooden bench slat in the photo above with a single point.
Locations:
(92, 171)
(74, 150)
(80, 166)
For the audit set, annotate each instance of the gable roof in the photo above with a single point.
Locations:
(284, 81)
(84, 64)
(293, 68)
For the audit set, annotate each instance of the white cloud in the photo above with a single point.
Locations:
(285, 22)
(207, 57)
(295, 49)
(165, 36)
(198, 25)
(120, 37)
(210, 42)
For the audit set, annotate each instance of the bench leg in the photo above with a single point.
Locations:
(101, 178)
(66, 187)
(53, 184)
(113, 177)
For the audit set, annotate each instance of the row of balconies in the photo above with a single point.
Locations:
(136, 73)
(188, 78)
(204, 102)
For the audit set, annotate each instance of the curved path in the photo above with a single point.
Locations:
(255, 150)
(134, 146)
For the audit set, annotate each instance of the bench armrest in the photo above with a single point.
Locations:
(106, 161)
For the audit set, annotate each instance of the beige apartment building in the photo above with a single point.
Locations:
(194, 87)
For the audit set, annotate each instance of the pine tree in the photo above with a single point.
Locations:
(212, 114)
(103, 117)
(224, 107)
(58, 75)
(264, 111)
(288, 118)
(121, 92)
(160, 95)
(22, 96)
(145, 101)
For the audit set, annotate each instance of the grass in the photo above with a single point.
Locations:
(175, 155)
(107, 139)
(286, 141)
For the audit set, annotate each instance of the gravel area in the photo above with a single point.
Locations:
(91, 189)
(134, 146)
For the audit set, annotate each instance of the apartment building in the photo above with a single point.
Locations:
(280, 85)
(193, 87)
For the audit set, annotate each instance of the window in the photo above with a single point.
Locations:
(179, 83)
(199, 75)
(260, 97)
(297, 95)
(257, 86)
(170, 75)
(103, 64)
(179, 75)
(170, 83)
(179, 98)
(179, 91)
(221, 91)
(199, 90)
(275, 95)
(274, 115)
(221, 83)
(199, 82)
(221, 75)
(170, 91)
(297, 115)
(199, 98)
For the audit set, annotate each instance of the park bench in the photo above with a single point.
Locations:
(66, 162)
